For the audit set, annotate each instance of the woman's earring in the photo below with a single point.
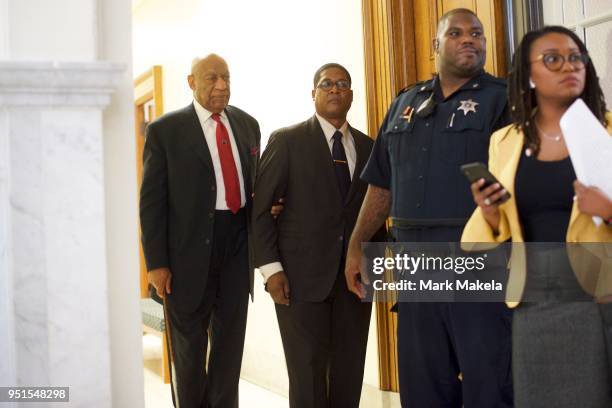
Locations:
(531, 83)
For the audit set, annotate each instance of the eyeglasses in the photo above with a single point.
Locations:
(328, 84)
(554, 62)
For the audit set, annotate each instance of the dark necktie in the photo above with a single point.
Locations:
(341, 165)
(228, 166)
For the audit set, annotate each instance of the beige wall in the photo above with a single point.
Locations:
(273, 48)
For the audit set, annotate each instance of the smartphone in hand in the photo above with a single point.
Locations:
(476, 171)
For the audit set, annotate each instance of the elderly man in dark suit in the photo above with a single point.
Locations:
(199, 164)
(315, 167)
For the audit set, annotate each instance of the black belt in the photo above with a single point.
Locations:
(421, 223)
(229, 213)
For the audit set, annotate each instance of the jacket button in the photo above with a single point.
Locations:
(418, 205)
(207, 241)
(341, 237)
(212, 188)
(424, 149)
(420, 177)
(211, 214)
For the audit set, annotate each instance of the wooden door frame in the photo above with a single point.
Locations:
(148, 92)
(389, 67)
(147, 89)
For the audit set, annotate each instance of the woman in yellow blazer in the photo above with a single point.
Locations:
(559, 346)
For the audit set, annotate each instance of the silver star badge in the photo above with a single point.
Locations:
(468, 106)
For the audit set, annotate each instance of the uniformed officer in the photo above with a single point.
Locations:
(413, 173)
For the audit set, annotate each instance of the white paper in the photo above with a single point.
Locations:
(590, 148)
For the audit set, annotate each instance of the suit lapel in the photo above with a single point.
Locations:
(361, 148)
(240, 134)
(511, 147)
(195, 136)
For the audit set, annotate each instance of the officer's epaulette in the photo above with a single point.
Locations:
(411, 86)
(503, 82)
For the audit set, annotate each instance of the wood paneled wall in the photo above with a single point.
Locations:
(390, 58)
(388, 29)
(490, 12)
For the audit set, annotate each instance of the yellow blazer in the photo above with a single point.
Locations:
(505, 149)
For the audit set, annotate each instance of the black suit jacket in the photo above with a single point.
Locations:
(310, 236)
(178, 196)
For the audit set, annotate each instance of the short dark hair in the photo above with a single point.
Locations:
(451, 13)
(522, 98)
(317, 75)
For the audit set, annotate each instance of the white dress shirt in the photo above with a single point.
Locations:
(347, 141)
(351, 155)
(209, 127)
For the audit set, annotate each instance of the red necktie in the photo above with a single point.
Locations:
(228, 166)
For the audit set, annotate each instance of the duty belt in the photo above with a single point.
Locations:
(421, 223)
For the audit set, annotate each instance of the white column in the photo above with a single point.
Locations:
(53, 261)
(69, 284)
(115, 22)
(4, 29)
(7, 321)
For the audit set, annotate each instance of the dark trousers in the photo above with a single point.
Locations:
(221, 316)
(438, 341)
(325, 345)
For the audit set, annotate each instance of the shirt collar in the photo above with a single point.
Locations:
(434, 85)
(329, 129)
(203, 113)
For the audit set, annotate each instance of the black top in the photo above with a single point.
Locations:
(417, 155)
(544, 197)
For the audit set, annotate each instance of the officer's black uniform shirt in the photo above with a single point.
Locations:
(418, 159)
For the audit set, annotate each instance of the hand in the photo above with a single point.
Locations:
(356, 279)
(592, 201)
(161, 279)
(278, 287)
(277, 209)
(488, 199)
(604, 299)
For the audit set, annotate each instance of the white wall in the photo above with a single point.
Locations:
(597, 35)
(4, 29)
(273, 48)
(57, 22)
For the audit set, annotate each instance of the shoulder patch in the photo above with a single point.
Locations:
(411, 86)
(497, 81)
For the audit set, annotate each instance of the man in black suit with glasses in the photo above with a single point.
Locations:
(315, 167)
